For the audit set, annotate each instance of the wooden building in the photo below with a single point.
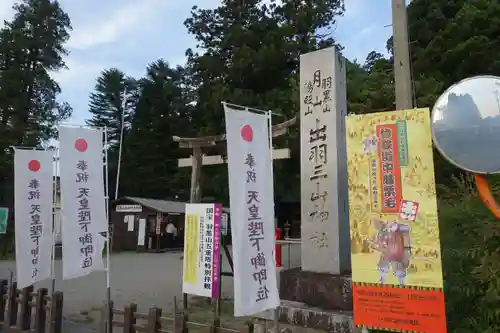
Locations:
(140, 223)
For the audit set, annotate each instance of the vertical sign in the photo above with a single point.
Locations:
(252, 211)
(4, 217)
(82, 200)
(398, 280)
(202, 264)
(159, 219)
(141, 234)
(402, 142)
(325, 225)
(390, 173)
(33, 192)
(224, 224)
(374, 188)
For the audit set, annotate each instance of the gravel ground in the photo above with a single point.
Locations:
(148, 279)
(144, 278)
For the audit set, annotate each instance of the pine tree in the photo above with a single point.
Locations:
(150, 153)
(112, 103)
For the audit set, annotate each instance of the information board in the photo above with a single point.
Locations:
(201, 271)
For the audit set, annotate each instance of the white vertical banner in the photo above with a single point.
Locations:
(83, 204)
(33, 185)
(252, 211)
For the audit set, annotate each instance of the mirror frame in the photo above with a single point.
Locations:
(480, 179)
(485, 194)
(433, 133)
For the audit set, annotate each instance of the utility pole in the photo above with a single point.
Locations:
(402, 70)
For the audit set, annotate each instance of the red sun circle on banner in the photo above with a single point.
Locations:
(81, 145)
(247, 133)
(34, 165)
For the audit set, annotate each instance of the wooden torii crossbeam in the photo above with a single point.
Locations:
(198, 159)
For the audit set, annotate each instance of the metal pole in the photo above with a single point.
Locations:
(120, 144)
(108, 236)
(270, 121)
(402, 70)
(54, 221)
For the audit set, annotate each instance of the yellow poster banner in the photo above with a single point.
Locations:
(191, 248)
(396, 258)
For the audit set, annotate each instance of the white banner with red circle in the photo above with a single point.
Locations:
(33, 194)
(83, 205)
(252, 211)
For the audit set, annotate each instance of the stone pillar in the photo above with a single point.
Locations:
(324, 194)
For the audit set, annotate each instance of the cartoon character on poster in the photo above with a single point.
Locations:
(393, 241)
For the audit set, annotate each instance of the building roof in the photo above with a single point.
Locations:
(163, 206)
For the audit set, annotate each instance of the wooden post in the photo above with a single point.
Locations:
(183, 323)
(195, 195)
(401, 46)
(3, 294)
(215, 325)
(56, 308)
(129, 318)
(109, 315)
(40, 311)
(24, 315)
(11, 305)
(251, 327)
(154, 323)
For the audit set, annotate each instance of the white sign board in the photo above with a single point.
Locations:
(252, 211)
(128, 208)
(141, 234)
(201, 271)
(224, 224)
(130, 220)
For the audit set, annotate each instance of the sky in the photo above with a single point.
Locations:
(129, 34)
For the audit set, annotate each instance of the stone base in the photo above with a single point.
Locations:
(318, 290)
(302, 316)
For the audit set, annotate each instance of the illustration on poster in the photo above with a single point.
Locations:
(393, 241)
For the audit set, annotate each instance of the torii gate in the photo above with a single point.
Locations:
(198, 158)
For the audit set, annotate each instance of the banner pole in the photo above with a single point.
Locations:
(54, 219)
(120, 144)
(269, 117)
(108, 237)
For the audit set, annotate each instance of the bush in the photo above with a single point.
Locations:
(470, 242)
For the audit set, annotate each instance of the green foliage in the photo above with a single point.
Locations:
(112, 103)
(250, 56)
(162, 110)
(470, 238)
(31, 46)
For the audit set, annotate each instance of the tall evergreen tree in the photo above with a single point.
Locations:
(112, 103)
(150, 156)
(31, 47)
(250, 56)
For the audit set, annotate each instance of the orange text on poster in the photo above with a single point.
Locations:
(402, 309)
(390, 172)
